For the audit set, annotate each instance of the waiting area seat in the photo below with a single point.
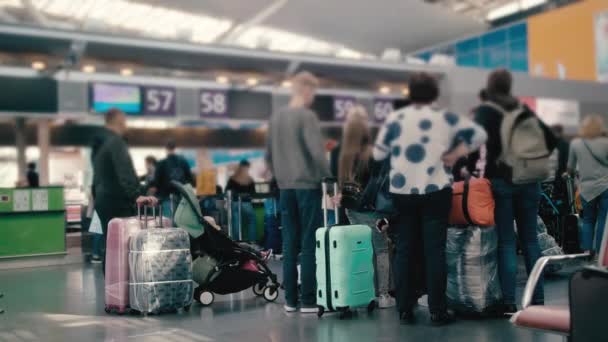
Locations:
(584, 316)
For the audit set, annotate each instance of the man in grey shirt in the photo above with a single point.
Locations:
(297, 159)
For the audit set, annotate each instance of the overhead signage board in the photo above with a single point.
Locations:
(159, 101)
(126, 97)
(342, 106)
(382, 108)
(213, 103)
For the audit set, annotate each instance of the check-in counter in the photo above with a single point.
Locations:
(32, 221)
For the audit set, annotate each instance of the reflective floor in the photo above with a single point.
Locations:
(65, 303)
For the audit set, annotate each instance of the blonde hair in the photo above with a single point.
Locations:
(592, 127)
(355, 149)
(305, 79)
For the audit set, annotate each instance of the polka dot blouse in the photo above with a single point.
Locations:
(416, 138)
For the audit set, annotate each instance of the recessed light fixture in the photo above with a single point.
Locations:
(384, 90)
(38, 65)
(222, 79)
(405, 91)
(252, 81)
(126, 71)
(88, 68)
(286, 84)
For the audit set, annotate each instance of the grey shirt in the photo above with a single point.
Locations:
(593, 175)
(295, 150)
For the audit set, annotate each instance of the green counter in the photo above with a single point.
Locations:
(32, 221)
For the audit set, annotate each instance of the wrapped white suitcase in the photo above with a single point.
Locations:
(160, 270)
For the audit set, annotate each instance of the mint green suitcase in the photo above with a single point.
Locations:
(345, 267)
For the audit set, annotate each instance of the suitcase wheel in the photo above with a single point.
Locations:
(206, 298)
(108, 310)
(187, 308)
(271, 293)
(372, 306)
(321, 311)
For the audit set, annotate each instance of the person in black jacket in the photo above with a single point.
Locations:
(33, 179)
(115, 183)
(172, 168)
(517, 202)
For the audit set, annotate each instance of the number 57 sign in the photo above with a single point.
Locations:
(159, 101)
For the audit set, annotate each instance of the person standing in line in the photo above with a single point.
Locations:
(173, 168)
(115, 183)
(354, 165)
(241, 185)
(147, 180)
(517, 202)
(296, 157)
(423, 143)
(33, 179)
(589, 156)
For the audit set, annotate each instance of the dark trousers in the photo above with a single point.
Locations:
(301, 216)
(107, 209)
(422, 220)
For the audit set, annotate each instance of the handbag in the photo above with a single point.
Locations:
(95, 226)
(351, 195)
(472, 203)
(376, 196)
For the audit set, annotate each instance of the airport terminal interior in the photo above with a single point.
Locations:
(303, 170)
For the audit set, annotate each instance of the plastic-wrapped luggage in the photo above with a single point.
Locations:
(473, 284)
(160, 270)
(345, 267)
(120, 231)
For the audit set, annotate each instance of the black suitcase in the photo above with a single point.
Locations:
(571, 222)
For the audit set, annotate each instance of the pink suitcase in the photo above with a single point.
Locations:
(120, 231)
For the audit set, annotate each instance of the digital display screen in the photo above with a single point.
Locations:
(122, 96)
(244, 104)
(323, 105)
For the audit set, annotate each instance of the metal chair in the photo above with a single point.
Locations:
(560, 319)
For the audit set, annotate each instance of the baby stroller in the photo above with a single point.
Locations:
(221, 266)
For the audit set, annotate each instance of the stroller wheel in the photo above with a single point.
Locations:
(271, 293)
(206, 298)
(258, 289)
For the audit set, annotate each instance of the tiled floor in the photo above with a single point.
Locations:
(65, 303)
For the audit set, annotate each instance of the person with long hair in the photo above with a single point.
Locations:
(423, 143)
(354, 166)
(242, 186)
(589, 156)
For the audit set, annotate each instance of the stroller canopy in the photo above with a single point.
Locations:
(188, 214)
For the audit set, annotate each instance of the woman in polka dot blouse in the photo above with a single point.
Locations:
(423, 143)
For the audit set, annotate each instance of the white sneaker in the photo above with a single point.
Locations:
(309, 310)
(289, 308)
(386, 301)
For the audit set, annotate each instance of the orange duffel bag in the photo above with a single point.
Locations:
(472, 203)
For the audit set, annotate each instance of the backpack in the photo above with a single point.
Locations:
(527, 145)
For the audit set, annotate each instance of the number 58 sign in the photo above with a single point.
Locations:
(213, 103)
(159, 101)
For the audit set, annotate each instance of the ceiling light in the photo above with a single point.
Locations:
(252, 81)
(38, 65)
(89, 68)
(384, 90)
(503, 11)
(405, 91)
(286, 84)
(222, 79)
(126, 71)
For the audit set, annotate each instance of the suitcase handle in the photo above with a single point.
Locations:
(155, 217)
(324, 183)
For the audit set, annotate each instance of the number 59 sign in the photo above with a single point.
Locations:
(159, 101)
(213, 103)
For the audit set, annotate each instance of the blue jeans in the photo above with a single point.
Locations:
(247, 216)
(519, 203)
(301, 216)
(594, 213)
(97, 244)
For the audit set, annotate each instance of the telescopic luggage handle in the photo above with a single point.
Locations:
(155, 217)
(324, 183)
